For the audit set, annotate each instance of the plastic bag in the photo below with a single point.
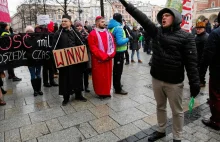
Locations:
(191, 104)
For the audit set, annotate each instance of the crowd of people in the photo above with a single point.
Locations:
(174, 51)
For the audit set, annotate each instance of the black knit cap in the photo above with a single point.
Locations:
(67, 16)
(118, 17)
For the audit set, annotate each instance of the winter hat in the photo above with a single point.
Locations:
(50, 27)
(98, 17)
(117, 17)
(3, 25)
(67, 17)
(218, 17)
(77, 24)
(200, 25)
(29, 29)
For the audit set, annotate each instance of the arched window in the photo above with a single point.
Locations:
(213, 4)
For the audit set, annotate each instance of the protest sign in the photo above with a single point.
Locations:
(25, 49)
(70, 56)
(43, 19)
(4, 13)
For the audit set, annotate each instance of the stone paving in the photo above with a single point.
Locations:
(127, 118)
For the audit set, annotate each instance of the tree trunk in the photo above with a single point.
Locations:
(102, 8)
(65, 6)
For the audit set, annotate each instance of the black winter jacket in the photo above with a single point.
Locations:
(211, 56)
(173, 49)
(201, 40)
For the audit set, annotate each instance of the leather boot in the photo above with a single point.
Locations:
(39, 86)
(3, 91)
(80, 97)
(34, 85)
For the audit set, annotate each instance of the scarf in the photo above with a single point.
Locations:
(110, 41)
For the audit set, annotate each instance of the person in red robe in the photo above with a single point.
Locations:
(102, 47)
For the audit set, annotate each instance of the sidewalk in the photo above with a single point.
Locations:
(120, 118)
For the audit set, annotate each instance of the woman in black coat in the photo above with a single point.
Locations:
(135, 45)
(70, 77)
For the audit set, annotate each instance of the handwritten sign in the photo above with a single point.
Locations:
(70, 56)
(43, 19)
(25, 49)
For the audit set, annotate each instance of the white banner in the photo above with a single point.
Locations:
(187, 13)
(43, 19)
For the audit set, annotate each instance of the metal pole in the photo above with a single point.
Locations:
(79, 10)
(102, 8)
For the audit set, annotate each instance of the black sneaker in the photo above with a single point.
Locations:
(40, 93)
(210, 124)
(47, 85)
(35, 93)
(127, 63)
(156, 136)
(65, 102)
(87, 90)
(122, 92)
(81, 98)
(176, 140)
(16, 79)
(54, 84)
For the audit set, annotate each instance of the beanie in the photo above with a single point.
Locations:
(29, 29)
(117, 17)
(67, 16)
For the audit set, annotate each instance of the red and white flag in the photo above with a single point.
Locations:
(4, 12)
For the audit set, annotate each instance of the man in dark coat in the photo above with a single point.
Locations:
(70, 77)
(173, 50)
(128, 33)
(211, 58)
(201, 39)
(208, 27)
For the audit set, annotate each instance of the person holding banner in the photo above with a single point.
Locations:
(70, 77)
(174, 50)
(5, 31)
(102, 47)
(35, 70)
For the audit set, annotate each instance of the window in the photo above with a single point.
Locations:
(59, 16)
(213, 4)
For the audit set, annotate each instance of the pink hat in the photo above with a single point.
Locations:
(98, 17)
(29, 29)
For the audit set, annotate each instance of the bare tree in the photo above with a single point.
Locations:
(64, 4)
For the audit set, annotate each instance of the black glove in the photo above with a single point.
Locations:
(124, 3)
(130, 38)
(194, 90)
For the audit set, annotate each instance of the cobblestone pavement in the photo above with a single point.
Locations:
(121, 118)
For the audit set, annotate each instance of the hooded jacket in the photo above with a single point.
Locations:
(118, 32)
(173, 49)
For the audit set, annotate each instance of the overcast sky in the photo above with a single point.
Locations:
(12, 4)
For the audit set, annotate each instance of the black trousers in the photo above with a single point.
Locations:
(11, 72)
(48, 71)
(86, 78)
(117, 70)
(127, 55)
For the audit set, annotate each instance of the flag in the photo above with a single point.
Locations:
(185, 7)
(4, 13)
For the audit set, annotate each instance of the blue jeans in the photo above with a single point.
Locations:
(132, 54)
(35, 72)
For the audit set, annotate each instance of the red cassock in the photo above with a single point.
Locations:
(101, 63)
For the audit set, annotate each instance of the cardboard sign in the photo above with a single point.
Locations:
(43, 19)
(70, 56)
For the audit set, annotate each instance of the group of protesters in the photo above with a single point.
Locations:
(174, 51)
